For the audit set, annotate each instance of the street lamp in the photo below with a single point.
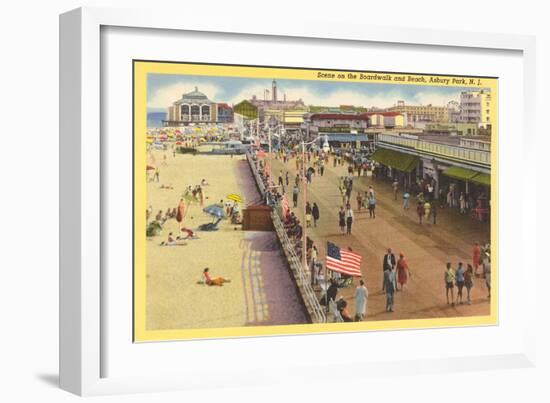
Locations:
(269, 134)
(304, 191)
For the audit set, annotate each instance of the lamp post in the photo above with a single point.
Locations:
(304, 191)
(269, 134)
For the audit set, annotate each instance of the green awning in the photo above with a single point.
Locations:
(395, 159)
(482, 179)
(460, 173)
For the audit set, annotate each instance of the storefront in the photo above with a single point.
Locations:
(396, 165)
(476, 187)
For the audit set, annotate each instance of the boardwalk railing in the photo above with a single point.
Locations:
(315, 310)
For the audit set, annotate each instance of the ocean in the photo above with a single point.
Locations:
(154, 119)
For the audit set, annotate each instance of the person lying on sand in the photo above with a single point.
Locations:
(189, 234)
(213, 280)
(171, 241)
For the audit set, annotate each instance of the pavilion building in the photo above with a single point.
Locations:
(195, 107)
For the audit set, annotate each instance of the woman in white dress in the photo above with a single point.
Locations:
(361, 295)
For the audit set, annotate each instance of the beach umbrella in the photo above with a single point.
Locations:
(215, 210)
(235, 197)
(179, 143)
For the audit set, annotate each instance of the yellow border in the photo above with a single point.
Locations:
(142, 68)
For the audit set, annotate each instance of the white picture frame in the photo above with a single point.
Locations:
(81, 306)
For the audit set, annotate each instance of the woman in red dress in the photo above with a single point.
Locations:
(403, 271)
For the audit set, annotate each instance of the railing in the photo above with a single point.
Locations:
(302, 279)
(299, 272)
(446, 150)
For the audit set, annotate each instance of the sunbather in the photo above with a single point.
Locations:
(171, 241)
(213, 281)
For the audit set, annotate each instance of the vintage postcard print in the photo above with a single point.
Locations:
(273, 201)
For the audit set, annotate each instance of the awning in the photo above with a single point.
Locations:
(468, 175)
(482, 179)
(395, 159)
(460, 173)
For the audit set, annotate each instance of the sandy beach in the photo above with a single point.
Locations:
(254, 296)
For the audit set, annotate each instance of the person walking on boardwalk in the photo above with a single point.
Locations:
(313, 264)
(403, 271)
(469, 282)
(389, 288)
(476, 256)
(343, 194)
(372, 207)
(359, 200)
(281, 183)
(395, 187)
(342, 219)
(420, 212)
(388, 263)
(459, 277)
(308, 214)
(462, 203)
(427, 210)
(434, 212)
(449, 283)
(286, 179)
(349, 219)
(406, 197)
(295, 192)
(370, 192)
(361, 295)
(315, 214)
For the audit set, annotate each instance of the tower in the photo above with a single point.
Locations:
(274, 91)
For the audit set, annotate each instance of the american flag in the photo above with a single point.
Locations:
(343, 261)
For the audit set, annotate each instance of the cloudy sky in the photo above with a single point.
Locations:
(164, 89)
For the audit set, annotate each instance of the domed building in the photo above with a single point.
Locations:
(194, 107)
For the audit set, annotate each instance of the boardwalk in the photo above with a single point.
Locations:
(427, 247)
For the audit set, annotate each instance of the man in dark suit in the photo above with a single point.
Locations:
(388, 263)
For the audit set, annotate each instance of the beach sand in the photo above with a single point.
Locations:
(261, 291)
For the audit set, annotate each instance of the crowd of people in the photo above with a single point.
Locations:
(396, 271)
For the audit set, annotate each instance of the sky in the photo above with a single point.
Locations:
(164, 89)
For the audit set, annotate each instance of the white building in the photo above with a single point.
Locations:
(475, 107)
